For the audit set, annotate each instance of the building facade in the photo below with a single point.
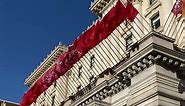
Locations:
(7, 103)
(142, 63)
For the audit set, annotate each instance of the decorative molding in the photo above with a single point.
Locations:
(149, 10)
(126, 70)
(98, 5)
(45, 65)
(98, 103)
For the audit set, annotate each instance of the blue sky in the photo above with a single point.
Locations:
(29, 30)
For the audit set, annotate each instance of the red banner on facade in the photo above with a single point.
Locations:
(94, 35)
(132, 12)
(177, 8)
(183, 8)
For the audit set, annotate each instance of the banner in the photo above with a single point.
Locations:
(89, 39)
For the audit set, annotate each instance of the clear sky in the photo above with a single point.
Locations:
(29, 30)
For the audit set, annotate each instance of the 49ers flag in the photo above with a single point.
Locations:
(94, 35)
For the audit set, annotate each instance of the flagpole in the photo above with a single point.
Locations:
(72, 87)
(171, 27)
(129, 29)
(135, 32)
(108, 50)
(78, 69)
(71, 82)
(62, 88)
(83, 63)
(114, 45)
(95, 73)
(113, 50)
(86, 62)
(84, 82)
(97, 61)
(106, 53)
(175, 28)
(179, 34)
(139, 29)
(74, 80)
(145, 21)
(167, 19)
(119, 45)
(101, 58)
(68, 85)
(142, 24)
(170, 24)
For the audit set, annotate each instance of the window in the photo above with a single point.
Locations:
(55, 84)
(126, 23)
(155, 21)
(79, 71)
(43, 100)
(129, 41)
(79, 87)
(53, 101)
(92, 61)
(151, 2)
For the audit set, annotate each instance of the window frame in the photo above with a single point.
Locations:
(155, 21)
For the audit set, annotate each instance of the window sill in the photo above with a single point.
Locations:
(152, 7)
(160, 29)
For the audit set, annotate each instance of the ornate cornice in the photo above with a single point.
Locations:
(98, 5)
(45, 65)
(153, 54)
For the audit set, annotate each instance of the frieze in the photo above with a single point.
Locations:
(123, 78)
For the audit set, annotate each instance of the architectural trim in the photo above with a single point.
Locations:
(45, 65)
(153, 54)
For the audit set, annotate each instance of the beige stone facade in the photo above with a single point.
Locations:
(149, 71)
(7, 103)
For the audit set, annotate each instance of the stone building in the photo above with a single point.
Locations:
(7, 103)
(142, 63)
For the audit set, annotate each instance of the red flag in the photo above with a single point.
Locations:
(73, 46)
(183, 8)
(60, 68)
(89, 39)
(81, 46)
(91, 36)
(132, 12)
(177, 8)
(121, 11)
(111, 20)
(28, 98)
(25, 100)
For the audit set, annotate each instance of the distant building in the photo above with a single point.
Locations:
(7, 103)
(139, 64)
